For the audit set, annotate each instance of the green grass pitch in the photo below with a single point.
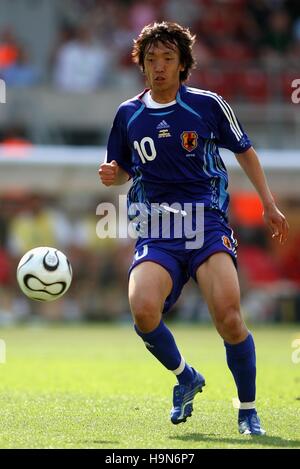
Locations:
(98, 387)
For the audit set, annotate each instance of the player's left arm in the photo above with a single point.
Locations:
(274, 219)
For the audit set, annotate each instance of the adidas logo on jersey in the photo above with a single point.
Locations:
(162, 125)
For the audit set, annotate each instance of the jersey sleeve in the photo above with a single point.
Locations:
(118, 148)
(230, 132)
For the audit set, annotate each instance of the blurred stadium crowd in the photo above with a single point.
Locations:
(98, 289)
(248, 51)
(269, 274)
(241, 44)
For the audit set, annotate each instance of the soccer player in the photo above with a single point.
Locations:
(166, 139)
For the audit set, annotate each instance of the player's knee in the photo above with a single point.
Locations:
(231, 325)
(145, 308)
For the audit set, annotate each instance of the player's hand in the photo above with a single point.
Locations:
(108, 173)
(277, 223)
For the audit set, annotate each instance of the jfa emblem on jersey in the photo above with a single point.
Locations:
(189, 140)
(226, 242)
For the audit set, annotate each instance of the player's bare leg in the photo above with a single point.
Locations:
(149, 286)
(218, 280)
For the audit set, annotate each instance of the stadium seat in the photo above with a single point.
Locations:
(220, 82)
(247, 209)
(290, 260)
(254, 86)
(233, 52)
(5, 268)
(258, 265)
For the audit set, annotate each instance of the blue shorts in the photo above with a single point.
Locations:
(182, 263)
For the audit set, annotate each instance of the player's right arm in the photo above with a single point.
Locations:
(117, 168)
(111, 174)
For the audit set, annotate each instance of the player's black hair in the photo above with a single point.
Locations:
(169, 34)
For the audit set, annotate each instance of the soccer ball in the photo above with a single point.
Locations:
(44, 274)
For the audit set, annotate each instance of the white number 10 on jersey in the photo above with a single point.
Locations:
(146, 153)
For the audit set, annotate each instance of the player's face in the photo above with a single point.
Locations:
(162, 68)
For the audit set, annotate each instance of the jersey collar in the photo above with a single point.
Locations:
(181, 91)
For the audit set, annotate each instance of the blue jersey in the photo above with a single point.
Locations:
(172, 152)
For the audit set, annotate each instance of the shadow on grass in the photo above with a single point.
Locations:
(270, 441)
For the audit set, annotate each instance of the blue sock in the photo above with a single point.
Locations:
(162, 345)
(241, 361)
(246, 412)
